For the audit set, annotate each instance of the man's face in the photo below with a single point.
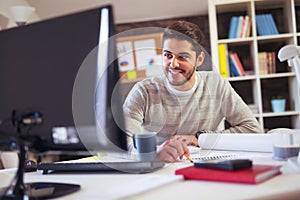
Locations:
(179, 63)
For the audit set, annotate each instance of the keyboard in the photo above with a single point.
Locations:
(127, 167)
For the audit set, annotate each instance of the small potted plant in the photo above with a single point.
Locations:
(278, 104)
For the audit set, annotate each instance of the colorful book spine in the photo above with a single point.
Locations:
(233, 27)
(265, 25)
(223, 62)
(233, 68)
(248, 31)
(259, 25)
(263, 63)
(267, 62)
(244, 27)
(237, 63)
(240, 25)
(271, 22)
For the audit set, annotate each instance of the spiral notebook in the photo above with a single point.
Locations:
(199, 154)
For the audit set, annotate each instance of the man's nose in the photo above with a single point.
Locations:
(174, 62)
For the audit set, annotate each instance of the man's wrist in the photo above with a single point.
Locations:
(199, 133)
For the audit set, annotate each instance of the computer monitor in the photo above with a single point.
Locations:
(55, 68)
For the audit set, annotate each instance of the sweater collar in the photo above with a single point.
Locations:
(182, 93)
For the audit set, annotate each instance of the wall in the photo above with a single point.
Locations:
(200, 20)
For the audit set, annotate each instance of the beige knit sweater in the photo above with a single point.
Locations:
(155, 106)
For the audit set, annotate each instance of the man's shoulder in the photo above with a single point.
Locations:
(209, 75)
(156, 81)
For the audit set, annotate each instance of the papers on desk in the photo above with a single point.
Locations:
(237, 142)
(140, 185)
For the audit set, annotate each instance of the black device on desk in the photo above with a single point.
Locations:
(228, 165)
(66, 69)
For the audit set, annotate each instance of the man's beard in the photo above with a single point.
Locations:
(188, 76)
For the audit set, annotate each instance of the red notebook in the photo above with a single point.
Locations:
(253, 175)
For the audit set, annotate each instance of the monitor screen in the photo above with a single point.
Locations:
(64, 70)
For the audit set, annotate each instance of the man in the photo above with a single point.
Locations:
(184, 102)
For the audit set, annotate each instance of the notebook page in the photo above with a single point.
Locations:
(237, 142)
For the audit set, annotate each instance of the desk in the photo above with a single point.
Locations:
(96, 186)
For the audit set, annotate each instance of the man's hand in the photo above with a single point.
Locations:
(175, 147)
(188, 139)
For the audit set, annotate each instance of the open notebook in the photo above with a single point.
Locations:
(231, 146)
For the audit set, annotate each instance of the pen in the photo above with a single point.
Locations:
(188, 157)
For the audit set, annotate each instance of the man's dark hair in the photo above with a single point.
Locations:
(183, 30)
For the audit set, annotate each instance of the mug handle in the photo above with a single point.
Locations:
(134, 144)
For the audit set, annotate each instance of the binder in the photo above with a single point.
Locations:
(224, 71)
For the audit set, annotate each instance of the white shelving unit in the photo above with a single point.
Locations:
(258, 89)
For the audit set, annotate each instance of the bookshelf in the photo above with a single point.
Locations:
(259, 84)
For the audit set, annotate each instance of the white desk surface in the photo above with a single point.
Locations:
(100, 185)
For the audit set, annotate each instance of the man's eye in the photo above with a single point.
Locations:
(168, 55)
(183, 57)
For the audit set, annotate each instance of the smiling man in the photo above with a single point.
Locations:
(183, 102)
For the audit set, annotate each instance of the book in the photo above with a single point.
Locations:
(237, 63)
(263, 63)
(222, 48)
(259, 25)
(239, 27)
(234, 71)
(266, 25)
(254, 175)
(248, 30)
(233, 27)
(267, 62)
(271, 24)
(262, 25)
(272, 62)
(244, 26)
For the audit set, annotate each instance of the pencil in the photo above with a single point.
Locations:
(188, 157)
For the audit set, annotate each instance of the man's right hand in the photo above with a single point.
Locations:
(172, 149)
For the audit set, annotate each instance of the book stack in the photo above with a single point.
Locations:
(239, 27)
(236, 65)
(265, 25)
(267, 62)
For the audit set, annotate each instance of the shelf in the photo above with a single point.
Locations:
(277, 75)
(259, 88)
(242, 78)
(286, 113)
(236, 40)
(275, 37)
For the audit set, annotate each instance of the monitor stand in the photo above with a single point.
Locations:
(18, 190)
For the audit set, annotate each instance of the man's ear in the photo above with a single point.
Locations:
(200, 58)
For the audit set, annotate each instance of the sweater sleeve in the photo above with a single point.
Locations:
(133, 109)
(237, 113)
